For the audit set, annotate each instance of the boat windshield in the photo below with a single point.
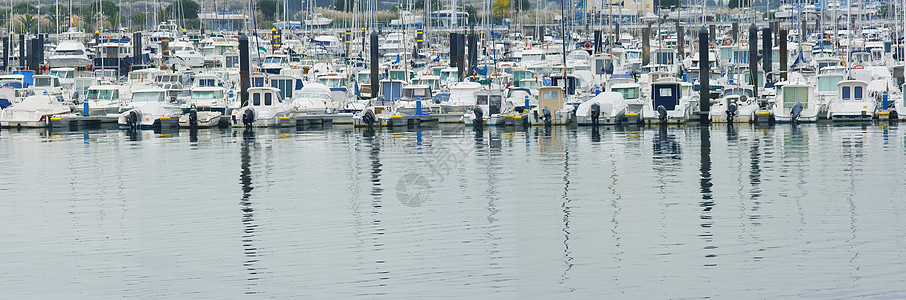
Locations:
(148, 97)
(47, 81)
(273, 60)
(316, 96)
(62, 74)
(68, 52)
(103, 95)
(206, 95)
(628, 93)
(206, 82)
(740, 92)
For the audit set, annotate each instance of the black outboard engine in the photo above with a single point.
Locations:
(478, 119)
(662, 114)
(248, 117)
(546, 115)
(731, 112)
(595, 113)
(132, 120)
(193, 118)
(796, 111)
(368, 118)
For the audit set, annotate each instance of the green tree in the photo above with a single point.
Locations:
(435, 5)
(668, 3)
(526, 5)
(23, 8)
(501, 9)
(883, 11)
(341, 5)
(27, 23)
(189, 9)
(139, 20)
(473, 14)
(109, 9)
(269, 8)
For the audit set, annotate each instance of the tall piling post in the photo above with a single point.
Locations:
(704, 71)
(22, 51)
(753, 58)
(244, 80)
(348, 41)
(767, 62)
(473, 51)
(734, 32)
(420, 39)
(137, 58)
(6, 53)
(597, 48)
(680, 40)
(375, 65)
(646, 45)
(783, 54)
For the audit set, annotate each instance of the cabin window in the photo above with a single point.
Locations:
(420, 92)
(665, 92)
(256, 99)
(482, 100)
(845, 93)
(268, 99)
(550, 95)
(857, 93)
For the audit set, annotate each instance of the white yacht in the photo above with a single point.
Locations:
(314, 98)
(186, 53)
(462, 97)
(70, 54)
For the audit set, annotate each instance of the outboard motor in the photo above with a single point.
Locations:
(662, 114)
(795, 111)
(193, 118)
(731, 113)
(132, 120)
(248, 117)
(478, 119)
(595, 112)
(368, 118)
(546, 115)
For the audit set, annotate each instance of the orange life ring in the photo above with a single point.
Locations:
(587, 45)
(728, 41)
(858, 67)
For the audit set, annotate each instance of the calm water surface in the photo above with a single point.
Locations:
(813, 211)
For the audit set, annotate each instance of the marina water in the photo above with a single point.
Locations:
(811, 211)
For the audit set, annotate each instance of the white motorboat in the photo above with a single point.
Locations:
(150, 110)
(795, 101)
(852, 103)
(737, 105)
(265, 108)
(106, 100)
(607, 108)
(33, 111)
(552, 108)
